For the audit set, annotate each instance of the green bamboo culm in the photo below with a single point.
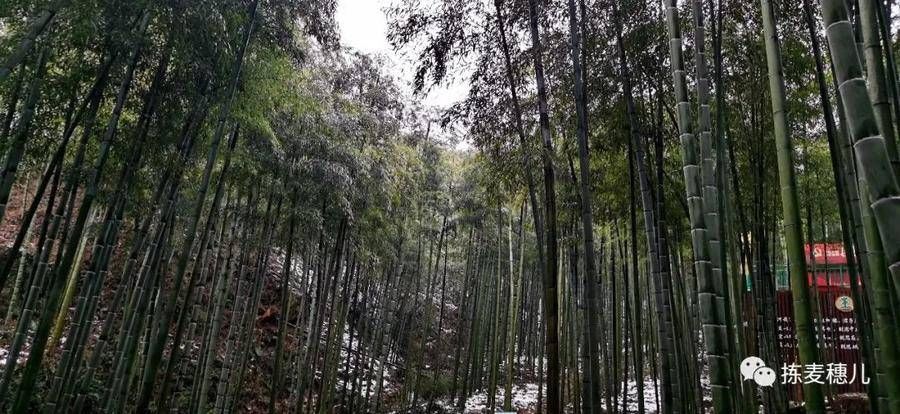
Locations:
(59, 273)
(879, 94)
(873, 162)
(710, 190)
(285, 304)
(34, 93)
(592, 347)
(877, 79)
(793, 234)
(17, 147)
(886, 349)
(69, 292)
(37, 25)
(650, 229)
(714, 331)
(870, 147)
(158, 343)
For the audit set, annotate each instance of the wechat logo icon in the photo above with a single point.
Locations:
(754, 368)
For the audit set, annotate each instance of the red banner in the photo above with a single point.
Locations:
(825, 254)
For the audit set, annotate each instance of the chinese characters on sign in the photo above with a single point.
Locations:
(840, 333)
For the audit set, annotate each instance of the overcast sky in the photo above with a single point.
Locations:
(363, 26)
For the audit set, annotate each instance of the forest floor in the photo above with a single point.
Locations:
(525, 399)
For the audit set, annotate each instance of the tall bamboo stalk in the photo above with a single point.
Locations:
(714, 331)
(39, 342)
(710, 190)
(793, 233)
(551, 310)
(591, 347)
(877, 79)
(873, 161)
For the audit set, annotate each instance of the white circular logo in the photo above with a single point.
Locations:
(749, 365)
(764, 377)
(844, 303)
(754, 368)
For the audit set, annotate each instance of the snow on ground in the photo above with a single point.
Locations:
(373, 369)
(524, 399)
(649, 397)
(23, 355)
(299, 277)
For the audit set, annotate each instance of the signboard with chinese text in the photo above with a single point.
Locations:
(835, 330)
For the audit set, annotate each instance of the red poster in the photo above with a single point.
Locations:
(825, 254)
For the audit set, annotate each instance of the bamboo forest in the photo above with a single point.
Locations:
(449, 206)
